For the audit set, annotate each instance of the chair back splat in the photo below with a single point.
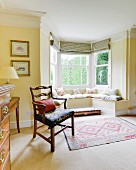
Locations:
(46, 112)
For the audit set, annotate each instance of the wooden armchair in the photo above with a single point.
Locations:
(46, 112)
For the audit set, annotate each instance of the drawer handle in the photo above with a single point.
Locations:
(5, 110)
(2, 155)
(1, 133)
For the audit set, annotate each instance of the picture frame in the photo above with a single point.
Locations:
(22, 67)
(19, 48)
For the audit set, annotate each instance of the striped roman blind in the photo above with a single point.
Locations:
(101, 45)
(75, 47)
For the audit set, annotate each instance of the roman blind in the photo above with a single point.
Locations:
(101, 45)
(75, 47)
(54, 42)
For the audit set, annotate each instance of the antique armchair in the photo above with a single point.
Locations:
(46, 112)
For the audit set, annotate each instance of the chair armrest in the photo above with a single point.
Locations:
(65, 100)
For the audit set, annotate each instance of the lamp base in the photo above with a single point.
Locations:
(7, 82)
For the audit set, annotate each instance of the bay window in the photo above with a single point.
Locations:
(68, 69)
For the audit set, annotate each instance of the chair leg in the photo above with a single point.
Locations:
(72, 122)
(35, 128)
(52, 140)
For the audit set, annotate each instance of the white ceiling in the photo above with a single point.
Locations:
(81, 20)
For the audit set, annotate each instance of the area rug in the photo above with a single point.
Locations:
(99, 132)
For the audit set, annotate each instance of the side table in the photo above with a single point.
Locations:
(14, 106)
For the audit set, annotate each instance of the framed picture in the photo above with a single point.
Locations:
(19, 48)
(22, 67)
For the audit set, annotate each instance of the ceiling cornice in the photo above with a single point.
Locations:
(131, 32)
(20, 17)
(119, 36)
(114, 37)
(22, 12)
(47, 26)
(19, 21)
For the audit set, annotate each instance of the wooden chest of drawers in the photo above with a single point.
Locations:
(4, 127)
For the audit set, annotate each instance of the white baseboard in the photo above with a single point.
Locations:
(132, 111)
(121, 112)
(22, 124)
(106, 111)
(115, 113)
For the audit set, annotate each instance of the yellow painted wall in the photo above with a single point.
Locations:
(118, 67)
(132, 71)
(124, 69)
(22, 85)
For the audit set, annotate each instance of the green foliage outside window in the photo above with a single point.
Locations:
(73, 75)
(102, 75)
(74, 71)
(102, 68)
(102, 58)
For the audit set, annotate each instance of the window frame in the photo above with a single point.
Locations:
(109, 69)
(91, 71)
(53, 51)
(60, 71)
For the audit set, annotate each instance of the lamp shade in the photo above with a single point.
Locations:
(8, 73)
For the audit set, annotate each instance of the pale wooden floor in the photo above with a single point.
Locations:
(34, 154)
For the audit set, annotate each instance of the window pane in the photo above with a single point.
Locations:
(84, 75)
(73, 75)
(70, 60)
(102, 75)
(74, 59)
(74, 69)
(84, 60)
(102, 58)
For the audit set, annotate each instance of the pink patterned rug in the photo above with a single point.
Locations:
(99, 132)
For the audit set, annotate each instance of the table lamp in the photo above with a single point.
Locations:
(8, 73)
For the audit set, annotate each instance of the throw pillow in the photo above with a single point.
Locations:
(50, 105)
(76, 91)
(60, 91)
(90, 91)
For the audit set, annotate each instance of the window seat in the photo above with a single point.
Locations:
(111, 103)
